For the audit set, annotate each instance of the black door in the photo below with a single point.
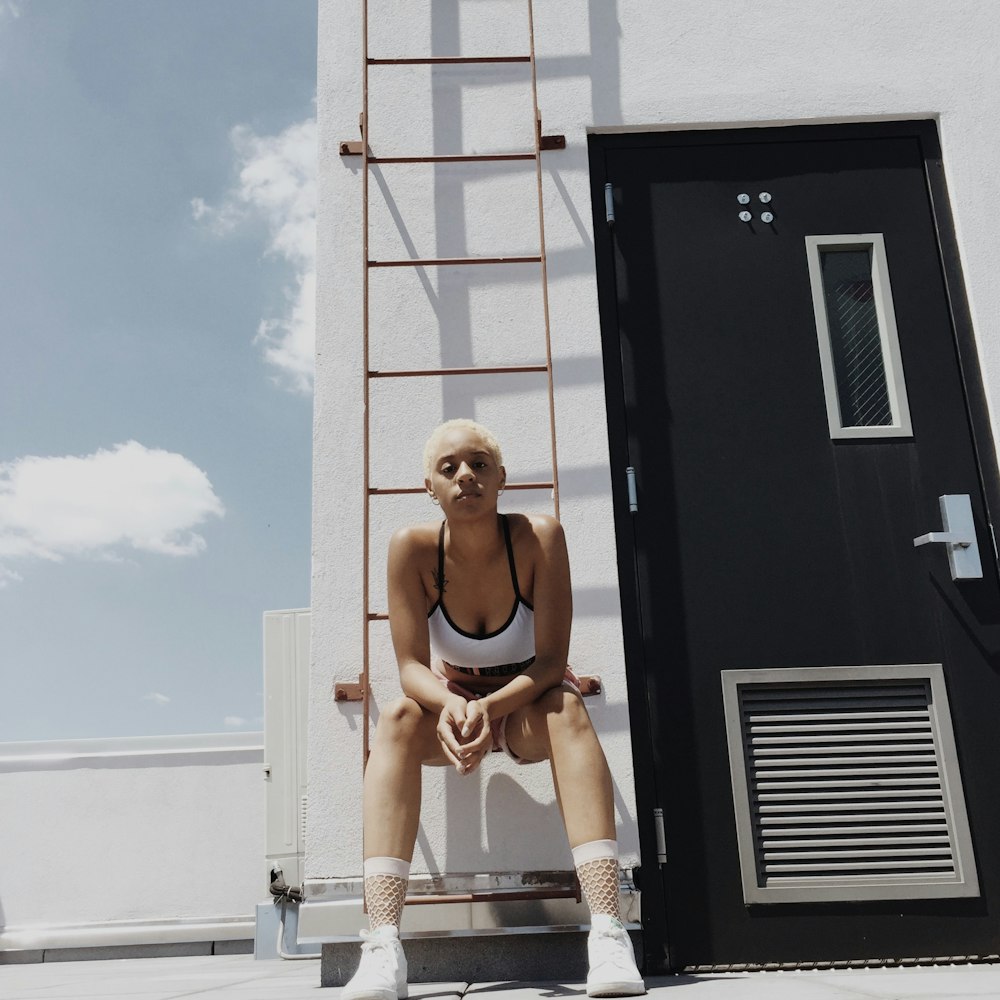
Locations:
(847, 807)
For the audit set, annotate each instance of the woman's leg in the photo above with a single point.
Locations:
(405, 738)
(556, 727)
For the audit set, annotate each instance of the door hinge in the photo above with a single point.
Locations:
(633, 498)
(661, 838)
(609, 203)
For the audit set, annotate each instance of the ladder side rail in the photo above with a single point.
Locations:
(366, 530)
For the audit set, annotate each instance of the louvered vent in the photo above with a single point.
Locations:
(849, 787)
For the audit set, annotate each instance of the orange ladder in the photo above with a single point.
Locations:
(361, 690)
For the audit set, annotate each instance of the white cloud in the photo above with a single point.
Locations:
(160, 699)
(277, 184)
(96, 506)
(238, 722)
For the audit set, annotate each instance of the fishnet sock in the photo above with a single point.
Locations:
(599, 882)
(384, 898)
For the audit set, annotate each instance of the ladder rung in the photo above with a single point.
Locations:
(444, 261)
(382, 491)
(453, 158)
(422, 372)
(447, 60)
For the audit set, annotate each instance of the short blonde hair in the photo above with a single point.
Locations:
(460, 424)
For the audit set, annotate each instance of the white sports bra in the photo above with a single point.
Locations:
(503, 653)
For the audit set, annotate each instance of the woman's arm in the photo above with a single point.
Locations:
(553, 606)
(408, 622)
(411, 641)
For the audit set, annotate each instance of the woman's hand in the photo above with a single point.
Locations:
(450, 723)
(464, 733)
(477, 740)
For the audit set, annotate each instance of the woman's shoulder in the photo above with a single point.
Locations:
(414, 538)
(535, 529)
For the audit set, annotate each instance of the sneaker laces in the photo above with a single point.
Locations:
(373, 942)
(619, 954)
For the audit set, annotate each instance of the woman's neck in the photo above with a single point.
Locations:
(476, 538)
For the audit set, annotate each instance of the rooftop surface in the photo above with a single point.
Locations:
(240, 977)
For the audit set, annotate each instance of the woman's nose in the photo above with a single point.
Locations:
(464, 472)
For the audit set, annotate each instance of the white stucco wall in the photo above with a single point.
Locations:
(131, 841)
(602, 65)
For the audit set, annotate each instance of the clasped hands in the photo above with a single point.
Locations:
(464, 733)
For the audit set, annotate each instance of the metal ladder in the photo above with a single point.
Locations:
(361, 690)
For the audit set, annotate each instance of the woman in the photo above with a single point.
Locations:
(480, 609)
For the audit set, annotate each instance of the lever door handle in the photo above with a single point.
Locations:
(959, 536)
(944, 537)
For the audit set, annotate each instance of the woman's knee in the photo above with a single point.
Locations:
(565, 712)
(401, 719)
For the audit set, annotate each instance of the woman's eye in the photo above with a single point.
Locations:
(479, 465)
(447, 469)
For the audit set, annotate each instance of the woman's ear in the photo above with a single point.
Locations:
(503, 477)
(430, 489)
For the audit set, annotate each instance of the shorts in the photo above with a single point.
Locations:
(498, 727)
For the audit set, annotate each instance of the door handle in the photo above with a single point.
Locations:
(959, 536)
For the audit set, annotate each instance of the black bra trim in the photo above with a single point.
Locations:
(518, 599)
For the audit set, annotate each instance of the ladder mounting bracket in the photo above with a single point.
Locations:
(547, 141)
(349, 692)
(349, 148)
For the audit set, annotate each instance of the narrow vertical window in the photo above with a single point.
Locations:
(858, 343)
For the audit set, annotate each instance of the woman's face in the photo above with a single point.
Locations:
(465, 477)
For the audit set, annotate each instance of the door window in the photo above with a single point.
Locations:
(858, 343)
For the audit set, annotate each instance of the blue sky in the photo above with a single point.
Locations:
(157, 185)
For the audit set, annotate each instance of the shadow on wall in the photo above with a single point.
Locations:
(602, 66)
(517, 824)
(449, 291)
(451, 298)
(514, 818)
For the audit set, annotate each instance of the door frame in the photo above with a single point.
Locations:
(656, 932)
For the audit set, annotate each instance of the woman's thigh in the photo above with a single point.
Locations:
(529, 729)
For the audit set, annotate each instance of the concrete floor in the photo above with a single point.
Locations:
(239, 977)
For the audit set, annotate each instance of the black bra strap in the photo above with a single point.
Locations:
(440, 579)
(510, 556)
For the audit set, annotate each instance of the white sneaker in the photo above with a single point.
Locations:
(382, 972)
(613, 971)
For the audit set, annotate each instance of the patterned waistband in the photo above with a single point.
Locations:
(501, 670)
